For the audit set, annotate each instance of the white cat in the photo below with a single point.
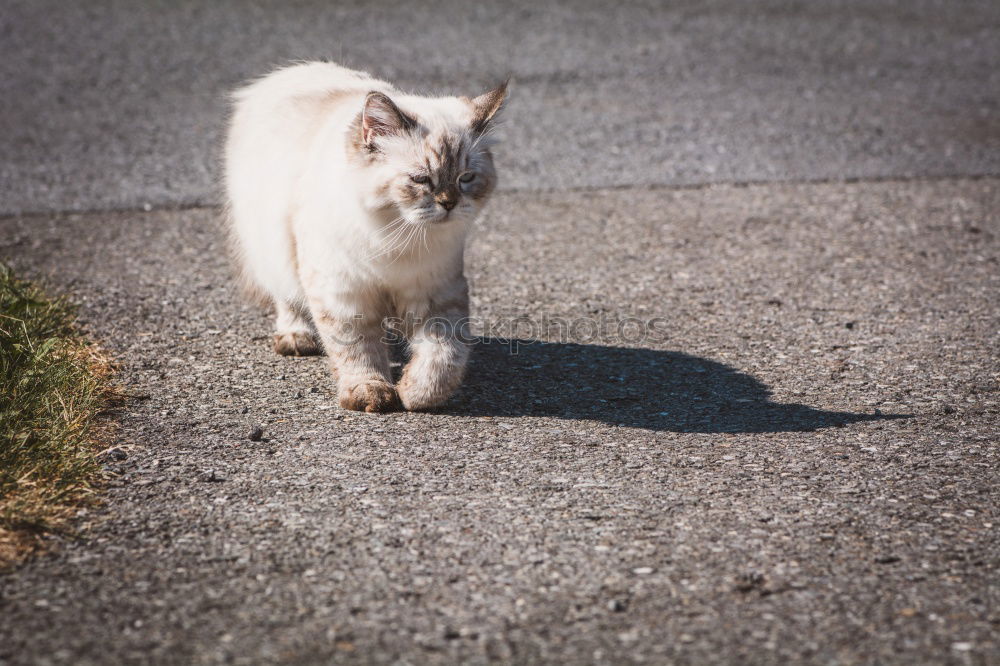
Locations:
(349, 204)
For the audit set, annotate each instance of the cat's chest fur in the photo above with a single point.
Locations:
(403, 266)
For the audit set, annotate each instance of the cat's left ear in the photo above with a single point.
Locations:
(381, 117)
(487, 105)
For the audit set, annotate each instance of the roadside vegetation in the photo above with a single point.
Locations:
(54, 388)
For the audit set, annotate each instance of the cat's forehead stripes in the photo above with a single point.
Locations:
(445, 155)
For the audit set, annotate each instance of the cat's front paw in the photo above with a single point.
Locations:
(296, 343)
(370, 396)
(419, 395)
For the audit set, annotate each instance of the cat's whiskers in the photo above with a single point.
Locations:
(395, 225)
(397, 242)
(409, 237)
(388, 243)
(401, 239)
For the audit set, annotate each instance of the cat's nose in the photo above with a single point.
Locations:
(447, 204)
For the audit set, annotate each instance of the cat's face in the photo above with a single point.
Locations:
(446, 176)
(432, 170)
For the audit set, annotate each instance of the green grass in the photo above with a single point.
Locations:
(54, 386)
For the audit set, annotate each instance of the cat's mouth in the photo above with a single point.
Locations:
(439, 216)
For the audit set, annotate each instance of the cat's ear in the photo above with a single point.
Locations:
(486, 106)
(381, 117)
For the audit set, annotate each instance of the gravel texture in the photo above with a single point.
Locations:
(116, 103)
(800, 464)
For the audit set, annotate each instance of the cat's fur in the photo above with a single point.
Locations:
(332, 224)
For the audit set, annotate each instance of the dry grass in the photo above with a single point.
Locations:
(54, 388)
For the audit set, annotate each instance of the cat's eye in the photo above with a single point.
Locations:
(423, 179)
(467, 177)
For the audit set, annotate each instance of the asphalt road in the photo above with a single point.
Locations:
(797, 462)
(120, 104)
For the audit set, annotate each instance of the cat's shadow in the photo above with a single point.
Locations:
(639, 388)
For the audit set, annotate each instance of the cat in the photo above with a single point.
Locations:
(348, 204)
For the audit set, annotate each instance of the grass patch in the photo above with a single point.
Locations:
(54, 385)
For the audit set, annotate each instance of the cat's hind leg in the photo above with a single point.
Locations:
(293, 332)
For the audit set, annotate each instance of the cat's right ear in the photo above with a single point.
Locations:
(381, 117)
(486, 106)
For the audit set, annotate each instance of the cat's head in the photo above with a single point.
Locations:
(431, 162)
